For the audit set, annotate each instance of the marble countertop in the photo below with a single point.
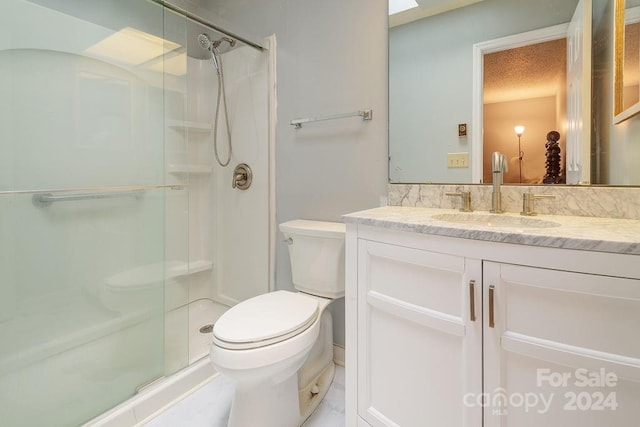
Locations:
(572, 232)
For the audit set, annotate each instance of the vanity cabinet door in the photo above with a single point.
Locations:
(560, 348)
(419, 345)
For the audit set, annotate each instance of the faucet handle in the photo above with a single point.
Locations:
(466, 199)
(529, 202)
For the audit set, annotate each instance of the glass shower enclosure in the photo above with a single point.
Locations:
(93, 227)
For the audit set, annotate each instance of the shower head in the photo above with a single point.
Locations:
(212, 46)
(205, 41)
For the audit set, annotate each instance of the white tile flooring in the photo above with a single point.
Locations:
(209, 406)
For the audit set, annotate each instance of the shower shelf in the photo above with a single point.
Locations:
(190, 168)
(203, 127)
(193, 267)
(144, 275)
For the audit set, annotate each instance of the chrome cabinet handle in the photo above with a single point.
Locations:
(472, 300)
(492, 322)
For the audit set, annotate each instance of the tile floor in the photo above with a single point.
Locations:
(210, 405)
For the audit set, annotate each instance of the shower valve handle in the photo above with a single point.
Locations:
(242, 177)
(239, 179)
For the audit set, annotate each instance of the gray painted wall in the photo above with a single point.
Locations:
(430, 80)
(331, 58)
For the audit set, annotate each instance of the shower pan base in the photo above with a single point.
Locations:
(156, 397)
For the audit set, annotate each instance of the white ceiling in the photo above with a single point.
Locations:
(527, 72)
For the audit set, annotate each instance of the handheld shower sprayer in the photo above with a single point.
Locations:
(205, 41)
(212, 46)
(208, 44)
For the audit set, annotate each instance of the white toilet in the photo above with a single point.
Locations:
(279, 346)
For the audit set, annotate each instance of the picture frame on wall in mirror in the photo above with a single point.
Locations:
(626, 62)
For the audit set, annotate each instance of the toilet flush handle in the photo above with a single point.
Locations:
(288, 241)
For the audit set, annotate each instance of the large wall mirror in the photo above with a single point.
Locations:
(547, 65)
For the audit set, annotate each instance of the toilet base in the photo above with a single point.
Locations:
(308, 398)
(266, 405)
(279, 405)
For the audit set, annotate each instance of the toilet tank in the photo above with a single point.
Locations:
(316, 252)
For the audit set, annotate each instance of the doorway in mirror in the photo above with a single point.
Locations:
(523, 86)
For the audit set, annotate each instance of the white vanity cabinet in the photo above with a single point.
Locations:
(445, 331)
(561, 349)
(420, 347)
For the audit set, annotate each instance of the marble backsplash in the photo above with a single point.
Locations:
(601, 202)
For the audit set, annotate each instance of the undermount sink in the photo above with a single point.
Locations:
(494, 220)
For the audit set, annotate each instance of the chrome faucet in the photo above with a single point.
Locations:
(499, 166)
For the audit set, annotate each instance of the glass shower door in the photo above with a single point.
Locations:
(84, 204)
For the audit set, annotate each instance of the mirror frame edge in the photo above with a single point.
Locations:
(619, 113)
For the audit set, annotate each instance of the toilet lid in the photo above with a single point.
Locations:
(265, 319)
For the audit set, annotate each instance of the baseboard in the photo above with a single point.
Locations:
(157, 396)
(338, 354)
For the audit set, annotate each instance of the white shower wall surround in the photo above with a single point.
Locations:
(219, 216)
(593, 201)
(244, 227)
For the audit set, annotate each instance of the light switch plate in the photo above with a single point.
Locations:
(458, 160)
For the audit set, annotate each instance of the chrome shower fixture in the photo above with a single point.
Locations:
(208, 44)
(229, 40)
(205, 41)
(212, 46)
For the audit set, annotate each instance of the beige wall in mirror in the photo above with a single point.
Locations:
(431, 84)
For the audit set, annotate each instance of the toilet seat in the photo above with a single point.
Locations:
(264, 320)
